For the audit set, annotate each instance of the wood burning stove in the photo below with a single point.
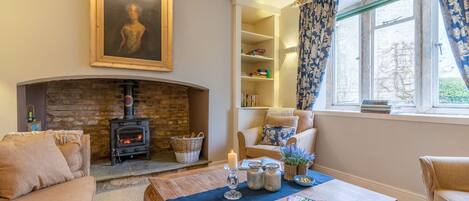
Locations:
(129, 136)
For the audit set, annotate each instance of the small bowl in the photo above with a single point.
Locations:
(298, 181)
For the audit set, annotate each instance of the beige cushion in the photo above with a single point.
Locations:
(72, 154)
(82, 189)
(305, 121)
(31, 163)
(61, 136)
(263, 150)
(447, 195)
(284, 121)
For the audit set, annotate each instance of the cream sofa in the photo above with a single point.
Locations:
(305, 138)
(82, 188)
(446, 178)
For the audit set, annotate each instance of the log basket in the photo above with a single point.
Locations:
(187, 149)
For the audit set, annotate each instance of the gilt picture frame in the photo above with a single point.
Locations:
(131, 34)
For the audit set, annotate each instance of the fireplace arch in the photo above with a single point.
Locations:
(53, 100)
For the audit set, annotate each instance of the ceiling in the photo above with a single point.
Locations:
(282, 3)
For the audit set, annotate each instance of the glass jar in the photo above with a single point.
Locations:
(272, 177)
(255, 176)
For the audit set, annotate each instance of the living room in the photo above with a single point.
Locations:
(370, 88)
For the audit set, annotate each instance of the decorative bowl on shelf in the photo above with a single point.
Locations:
(304, 180)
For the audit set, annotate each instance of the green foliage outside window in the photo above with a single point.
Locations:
(453, 91)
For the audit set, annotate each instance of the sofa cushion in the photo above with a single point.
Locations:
(263, 150)
(277, 136)
(72, 153)
(447, 195)
(81, 189)
(285, 121)
(60, 136)
(31, 163)
(305, 121)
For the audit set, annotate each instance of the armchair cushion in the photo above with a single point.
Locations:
(277, 135)
(447, 195)
(257, 151)
(305, 120)
(284, 121)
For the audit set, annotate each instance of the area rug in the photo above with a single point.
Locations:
(134, 193)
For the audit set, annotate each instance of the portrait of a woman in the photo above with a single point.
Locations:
(133, 29)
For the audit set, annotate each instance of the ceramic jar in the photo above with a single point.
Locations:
(290, 172)
(255, 176)
(272, 177)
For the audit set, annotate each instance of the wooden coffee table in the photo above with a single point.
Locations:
(190, 182)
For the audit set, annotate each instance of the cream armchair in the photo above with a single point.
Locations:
(446, 178)
(305, 138)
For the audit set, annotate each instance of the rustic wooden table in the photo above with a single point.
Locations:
(182, 184)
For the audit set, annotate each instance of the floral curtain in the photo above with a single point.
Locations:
(456, 19)
(317, 20)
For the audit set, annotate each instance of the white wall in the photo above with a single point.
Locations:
(50, 38)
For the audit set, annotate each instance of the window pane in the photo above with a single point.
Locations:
(395, 11)
(394, 66)
(452, 87)
(347, 61)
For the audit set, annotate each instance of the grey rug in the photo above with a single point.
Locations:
(134, 193)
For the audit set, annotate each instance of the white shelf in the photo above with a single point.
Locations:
(256, 79)
(255, 108)
(254, 38)
(250, 58)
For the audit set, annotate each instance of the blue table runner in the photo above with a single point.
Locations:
(288, 188)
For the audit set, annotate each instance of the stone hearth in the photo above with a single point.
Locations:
(136, 172)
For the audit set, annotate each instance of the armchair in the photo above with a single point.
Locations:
(446, 178)
(305, 138)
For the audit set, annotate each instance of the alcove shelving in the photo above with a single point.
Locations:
(256, 28)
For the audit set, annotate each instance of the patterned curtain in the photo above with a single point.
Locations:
(317, 20)
(456, 18)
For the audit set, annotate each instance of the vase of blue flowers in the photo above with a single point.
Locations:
(296, 161)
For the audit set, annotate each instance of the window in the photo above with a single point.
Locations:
(451, 87)
(347, 68)
(393, 53)
(382, 54)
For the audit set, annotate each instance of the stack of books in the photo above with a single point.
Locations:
(376, 106)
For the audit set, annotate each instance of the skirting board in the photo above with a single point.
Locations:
(398, 193)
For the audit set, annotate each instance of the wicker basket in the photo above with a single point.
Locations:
(187, 149)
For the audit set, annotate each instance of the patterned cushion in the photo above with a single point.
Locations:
(277, 135)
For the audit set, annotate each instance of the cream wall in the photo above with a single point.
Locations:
(288, 65)
(386, 151)
(50, 38)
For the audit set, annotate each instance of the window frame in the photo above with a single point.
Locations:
(426, 54)
(334, 71)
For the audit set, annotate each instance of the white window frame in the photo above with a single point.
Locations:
(426, 54)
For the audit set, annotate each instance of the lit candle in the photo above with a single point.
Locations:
(233, 160)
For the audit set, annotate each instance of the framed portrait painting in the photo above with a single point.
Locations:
(132, 34)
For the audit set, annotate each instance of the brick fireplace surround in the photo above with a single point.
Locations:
(89, 104)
